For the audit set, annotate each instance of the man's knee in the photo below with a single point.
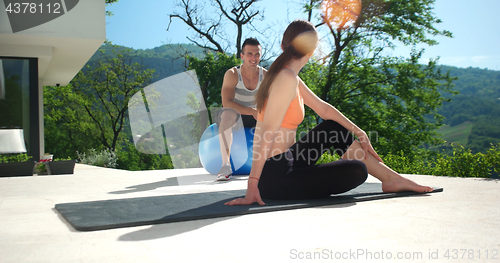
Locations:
(228, 117)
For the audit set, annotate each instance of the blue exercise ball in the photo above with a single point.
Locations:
(241, 150)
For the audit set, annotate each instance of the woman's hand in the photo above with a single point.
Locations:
(254, 113)
(367, 146)
(252, 196)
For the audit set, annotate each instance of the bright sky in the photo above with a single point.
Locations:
(474, 24)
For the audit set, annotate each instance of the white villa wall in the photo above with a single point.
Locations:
(62, 45)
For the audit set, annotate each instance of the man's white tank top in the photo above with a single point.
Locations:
(244, 96)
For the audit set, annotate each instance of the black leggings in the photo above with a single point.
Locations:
(294, 175)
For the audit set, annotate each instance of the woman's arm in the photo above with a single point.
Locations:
(327, 112)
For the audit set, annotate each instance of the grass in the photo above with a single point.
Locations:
(457, 134)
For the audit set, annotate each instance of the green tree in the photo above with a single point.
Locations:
(68, 128)
(210, 71)
(211, 27)
(386, 96)
(92, 111)
(104, 91)
(109, 2)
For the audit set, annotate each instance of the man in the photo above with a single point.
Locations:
(238, 91)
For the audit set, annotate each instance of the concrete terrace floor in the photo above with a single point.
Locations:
(461, 224)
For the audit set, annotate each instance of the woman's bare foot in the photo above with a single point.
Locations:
(400, 184)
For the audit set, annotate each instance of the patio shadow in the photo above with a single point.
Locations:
(170, 229)
(199, 179)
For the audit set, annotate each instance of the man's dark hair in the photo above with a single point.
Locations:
(250, 41)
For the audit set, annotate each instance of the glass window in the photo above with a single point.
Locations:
(16, 111)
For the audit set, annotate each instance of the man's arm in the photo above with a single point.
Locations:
(228, 92)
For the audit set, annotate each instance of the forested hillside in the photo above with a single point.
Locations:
(477, 107)
(476, 82)
(166, 60)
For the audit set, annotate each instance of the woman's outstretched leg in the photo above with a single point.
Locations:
(391, 180)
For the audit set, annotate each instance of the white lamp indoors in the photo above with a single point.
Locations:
(2, 82)
(12, 141)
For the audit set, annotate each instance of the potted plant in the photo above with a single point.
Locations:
(61, 166)
(16, 165)
(41, 166)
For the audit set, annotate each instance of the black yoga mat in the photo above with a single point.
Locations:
(108, 214)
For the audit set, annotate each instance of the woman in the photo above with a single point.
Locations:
(285, 169)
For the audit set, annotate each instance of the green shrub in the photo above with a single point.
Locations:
(420, 162)
(63, 159)
(461, 163)
(14, 158)
(464, 163)
(129, 158)
(328, 158)
(493, 158)
(105, 158)
(399, 163)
